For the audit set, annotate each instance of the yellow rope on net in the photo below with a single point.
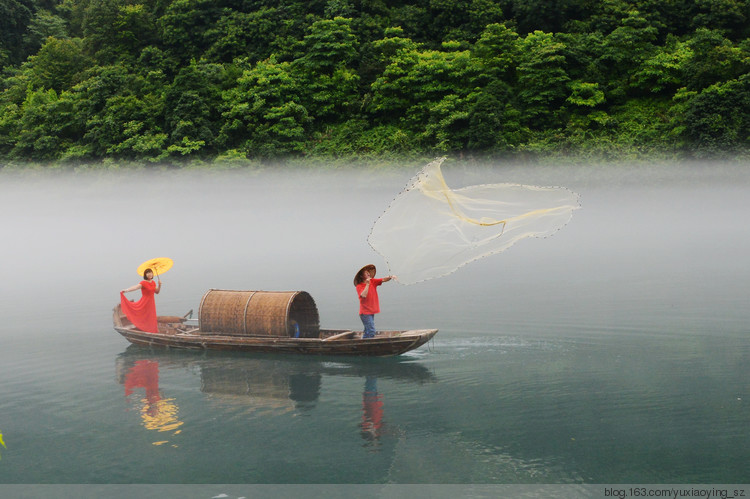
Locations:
(430, 230)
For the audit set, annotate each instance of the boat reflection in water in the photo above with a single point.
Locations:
(158, 413)
(261, 384)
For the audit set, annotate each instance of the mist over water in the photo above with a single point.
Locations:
(643, 238)
(629, 328)
(77, 238)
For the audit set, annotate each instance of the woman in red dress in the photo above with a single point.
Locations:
(142, 313)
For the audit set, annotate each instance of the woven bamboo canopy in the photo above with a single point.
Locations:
(259, 313)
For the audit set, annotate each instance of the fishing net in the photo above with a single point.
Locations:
(430, 230)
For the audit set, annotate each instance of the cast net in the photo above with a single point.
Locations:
(430, 230)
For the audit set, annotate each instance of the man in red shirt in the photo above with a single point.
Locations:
(367, 290)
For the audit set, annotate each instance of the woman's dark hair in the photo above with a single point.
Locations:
(146, 272)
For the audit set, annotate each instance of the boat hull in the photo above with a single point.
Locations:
(330, 342)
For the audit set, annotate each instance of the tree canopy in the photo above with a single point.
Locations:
(165, 80)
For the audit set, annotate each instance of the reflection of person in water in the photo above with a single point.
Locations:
(372, 410)
(157, 413)
(144, 374)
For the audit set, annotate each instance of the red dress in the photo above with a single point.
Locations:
(142, 313)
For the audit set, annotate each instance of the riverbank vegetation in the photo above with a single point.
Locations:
(235, 80)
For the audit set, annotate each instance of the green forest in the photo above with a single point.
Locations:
(165, 81)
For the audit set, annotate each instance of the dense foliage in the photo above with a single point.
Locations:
(158, 80)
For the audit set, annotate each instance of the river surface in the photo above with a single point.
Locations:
(616, 351)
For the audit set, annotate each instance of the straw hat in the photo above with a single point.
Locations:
(370, 267)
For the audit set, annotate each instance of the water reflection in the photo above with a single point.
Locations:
(270, 385)
(267, 385)
(157, 413)
(372, 412)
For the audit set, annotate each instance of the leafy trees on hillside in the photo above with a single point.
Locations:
(542, 79)
(192, 108)
(264, 113)
(717, 119)
(326, 72)
(160, 80)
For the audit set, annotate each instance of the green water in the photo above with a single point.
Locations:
(617, 351)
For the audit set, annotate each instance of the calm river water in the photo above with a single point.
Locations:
(616, 351)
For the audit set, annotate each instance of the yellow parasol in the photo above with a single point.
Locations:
(158, 265)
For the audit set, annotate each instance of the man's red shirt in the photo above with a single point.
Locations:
(370, 304)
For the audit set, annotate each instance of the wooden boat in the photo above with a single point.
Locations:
(252, 321)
